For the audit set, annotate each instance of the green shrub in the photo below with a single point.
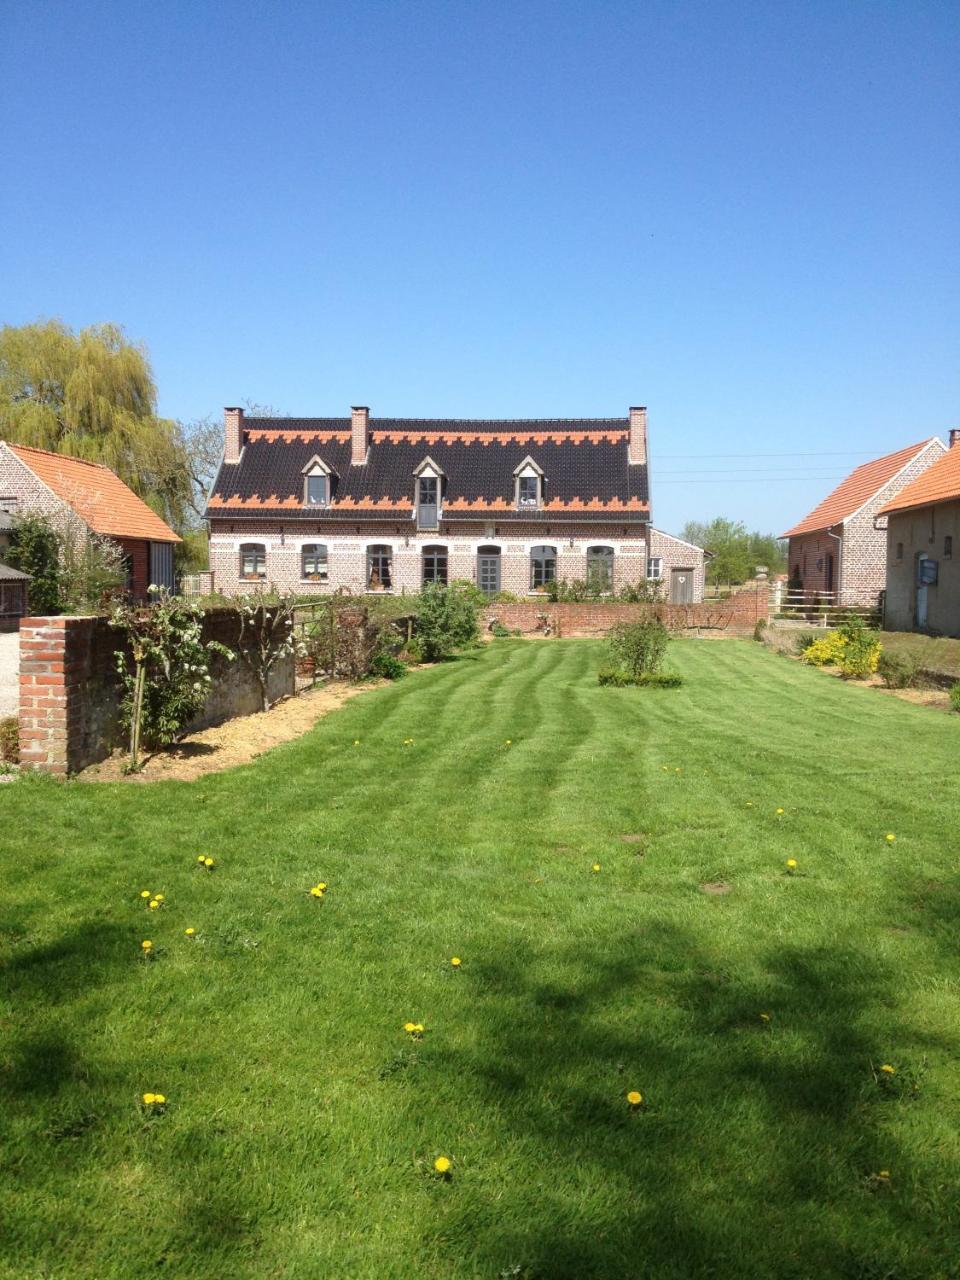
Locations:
(620, 679)
(861, 649)
(803, 640)
(639, 647)
(9, 740)
(412, 651)
(386, 665)
(498, 629)
(759, 629)
(35, 549)
(955, 696)
(446, 619)
(899, 670)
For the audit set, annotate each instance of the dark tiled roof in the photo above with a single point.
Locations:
(584, 462)
(8, 574)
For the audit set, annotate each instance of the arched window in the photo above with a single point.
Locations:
(435, 565)
(600, 569)
(543, 566)
(253, 560)
(488, 570)
(379, 568)
(313, 562)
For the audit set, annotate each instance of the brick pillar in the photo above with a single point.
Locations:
(359, 430)
(47, 673)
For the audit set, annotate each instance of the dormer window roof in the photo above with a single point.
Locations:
(528, 484)
(317, 478)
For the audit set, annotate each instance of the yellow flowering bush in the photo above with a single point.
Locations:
(852, 648)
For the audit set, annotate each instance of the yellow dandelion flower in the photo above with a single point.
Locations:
(635, 1097)
(190, 932)
(678, 769)
(159, 897)
(888, 1070)
(149, 1099)
(595, 867)
(442, 1164)
(159, 1099)
(749, 804)
(201, 858)
(208, 863)
(791, 864)
(146, 944)
(781, 811)
(418, 1029)
(890, 837)
(145, 893)
(884, 1173)
(410, 1027)
(455, 961)
(356, 742)
(154, 904)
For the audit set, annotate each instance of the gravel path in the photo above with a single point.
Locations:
(9, 672)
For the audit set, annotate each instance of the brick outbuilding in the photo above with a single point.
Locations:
(836, 553)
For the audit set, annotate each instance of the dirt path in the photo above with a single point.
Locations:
(236, 742)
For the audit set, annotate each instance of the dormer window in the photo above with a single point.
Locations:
(429, 480)
(316, 483)
(529, 485)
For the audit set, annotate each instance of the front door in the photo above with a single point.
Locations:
(681, 586)
(488, 573)
(427, 503)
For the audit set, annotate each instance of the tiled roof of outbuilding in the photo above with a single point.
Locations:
(939, 483)
(858, 488)
(97, 495)
(584, 463)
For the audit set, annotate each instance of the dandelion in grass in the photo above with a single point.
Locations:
(158, 897)
(146, 946)
(595, 868)
(791, 866)
(888, 1070)
(190, 933)
(443, 1165)
(154, 1102)
(410, 1027)
(356, 742)
(414, 1030)
(145, 893)
(635, 1098)
(209, 863)
(456, 962)
(318, 890)
(201, 858)
(154, 905)
(749, 804)
(890, 838)
(781, 812)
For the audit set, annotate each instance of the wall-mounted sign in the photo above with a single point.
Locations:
(927, 572)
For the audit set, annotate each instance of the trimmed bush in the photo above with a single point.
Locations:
(620, 679)
(899, 670)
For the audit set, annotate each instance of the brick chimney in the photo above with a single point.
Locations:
(359, 428)
(232, 434)
(637, 448)
(954, 437)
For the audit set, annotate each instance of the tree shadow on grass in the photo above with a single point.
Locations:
(758, 1148)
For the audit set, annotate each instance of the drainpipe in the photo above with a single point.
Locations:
(839, 540)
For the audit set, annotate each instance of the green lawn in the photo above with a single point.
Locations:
(302, 1122)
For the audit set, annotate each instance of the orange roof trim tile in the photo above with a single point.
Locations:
(939, 483)
(97, 495)
(858, 488)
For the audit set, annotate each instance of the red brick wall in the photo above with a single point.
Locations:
(738, 615)
(70, 690)
(139, 552)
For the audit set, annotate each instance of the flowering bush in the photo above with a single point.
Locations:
(852, 648)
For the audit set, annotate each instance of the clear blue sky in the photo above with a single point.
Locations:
(742, 215)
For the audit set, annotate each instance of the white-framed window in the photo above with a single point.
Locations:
(528, 485)
(600, 569)
(379, 567)
(317, 490)
(434, 565)
(655, 567)
(313, 562)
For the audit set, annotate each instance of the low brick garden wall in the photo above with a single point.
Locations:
(737, 615)
(70, 690)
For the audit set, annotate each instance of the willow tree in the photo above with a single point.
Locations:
(91, 394)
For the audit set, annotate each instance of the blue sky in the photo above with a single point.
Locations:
(741, 215)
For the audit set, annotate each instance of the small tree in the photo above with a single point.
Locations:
(446, 620)
(165, 672)
(35, 549)
(91, 571)
(266, 636)
(639, 647)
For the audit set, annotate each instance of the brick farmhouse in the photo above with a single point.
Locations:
(316, 505)
(78, 496)
(923, 528)
(836, 553)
